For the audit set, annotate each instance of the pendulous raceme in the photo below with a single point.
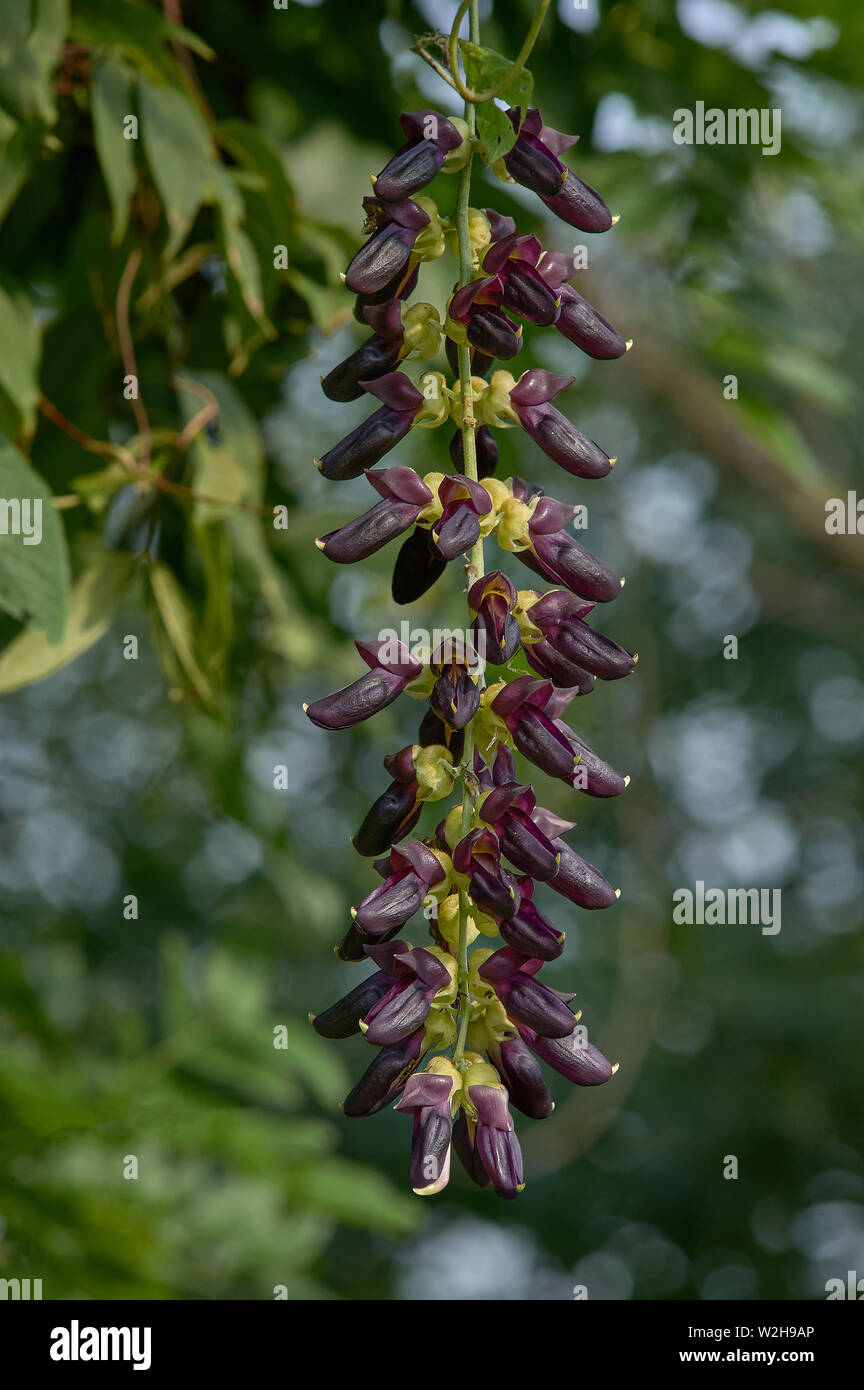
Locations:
(459, 1038)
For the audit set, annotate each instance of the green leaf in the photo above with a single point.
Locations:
(34, 577)
(128, 24)
(93, 602)
(484, 68)
(237, 249)
(19, 356)
(111, 103)
(15, 155)
(179, 624)
(233, 468)
(179, 153)
(24, 88)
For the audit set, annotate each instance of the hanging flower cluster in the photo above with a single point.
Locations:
(478, 1025)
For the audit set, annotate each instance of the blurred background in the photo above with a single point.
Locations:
(148, 1030)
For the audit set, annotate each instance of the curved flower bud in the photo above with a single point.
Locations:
(582, 325)
(375, 437)
(580, 205)
(392, 667)
(526, 1000)
(400, 286)
(430, 1097)
(492, 887)
(415, 976)
(464, 502)
(579, 881)
(405, 496)
(551, 430)
(385, 1077)
(521, 1073)
(342, 1019)
(574, 1057)
(414, 869)
(430, 137)
(394, 228)
(374, 358)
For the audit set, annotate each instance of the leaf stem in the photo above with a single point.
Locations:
(475, 98)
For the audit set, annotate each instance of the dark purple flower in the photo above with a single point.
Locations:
(508, 809)
(415, 976)
(573, 1056)
(524, 290)
(522, 705)
(458, 527)
(375, 437)
(414, 869)
(465, 1144)
(534, 162)
(551, 430)
(455, 696)
(392, 667)
(405, 495)
(492, 887)
(559, 616)
(582, 325)
(525, 999)
(342, 1019)
(385, 1076)
(394, 228)
(495, 1140)
(374, 358)
(428, 1097)
(401, 286)
(579, 881)
(419, 565)
(529, 931)
(554, 553)
(430, 137)
(477, 306)
(521, 1073)
(492, 600)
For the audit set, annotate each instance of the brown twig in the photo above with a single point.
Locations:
(127, 348)
(118, 454)
(422, 52)
(174, 14)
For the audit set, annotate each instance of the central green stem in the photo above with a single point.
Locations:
(475, 567)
